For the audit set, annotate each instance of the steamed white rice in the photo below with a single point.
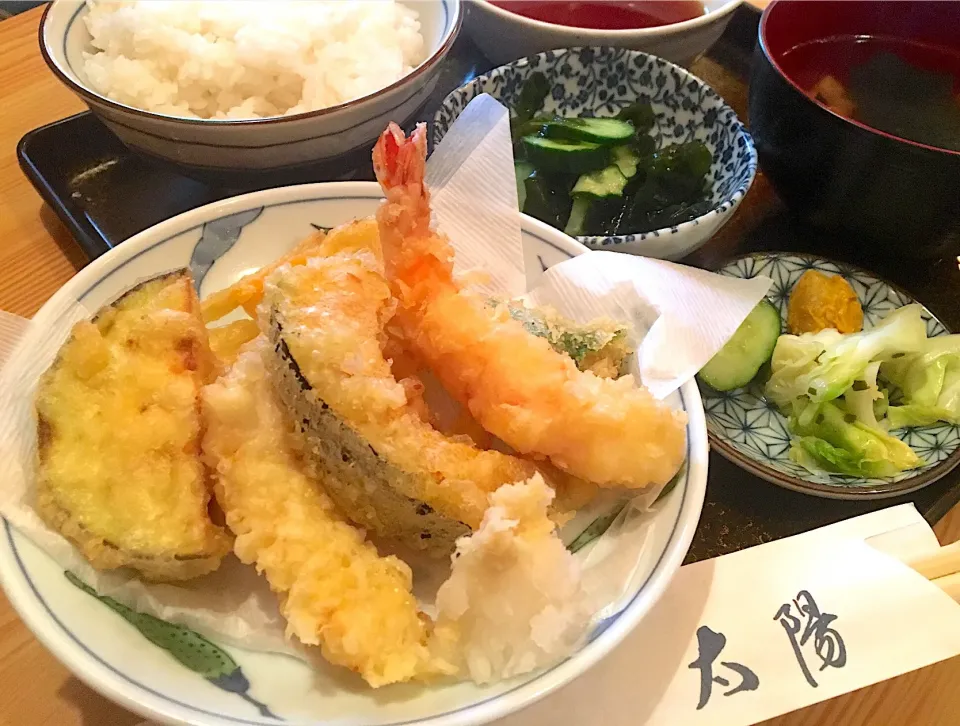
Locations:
(248, 59)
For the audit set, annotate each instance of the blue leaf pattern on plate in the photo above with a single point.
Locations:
(189, 648)
(216, 238)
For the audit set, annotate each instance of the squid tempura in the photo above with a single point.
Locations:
(610, 432)
(335, 590)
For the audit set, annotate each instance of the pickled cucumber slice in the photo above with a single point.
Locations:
(604, 131)
(737, 362)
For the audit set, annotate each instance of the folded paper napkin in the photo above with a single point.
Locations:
(681, 317)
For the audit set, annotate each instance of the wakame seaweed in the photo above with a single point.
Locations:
(604, 176)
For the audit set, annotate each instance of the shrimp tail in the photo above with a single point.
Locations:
(399, 161)
(416, 259)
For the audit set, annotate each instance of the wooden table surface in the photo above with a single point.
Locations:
(37, 255)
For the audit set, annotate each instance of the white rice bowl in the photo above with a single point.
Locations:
(250, 59)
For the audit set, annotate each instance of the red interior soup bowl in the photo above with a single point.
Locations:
(855, 111)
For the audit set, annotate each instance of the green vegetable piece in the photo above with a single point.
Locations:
(626, 159)
(547, 198)
(866, 451)
(862, 397)
(929, 381)
(640, 114)
(608, 182)
(604, 131)
(565, 156)
(675, 214)
(673, 189)
(189, 648)
(599, 343)
(840, 414)
(692, 158)
(576, 222)
(523, 171)
(899, 417)
(532, 95)
(752, 344)
(816, 455)
(534, 126)
(644, 144)
(822, 366)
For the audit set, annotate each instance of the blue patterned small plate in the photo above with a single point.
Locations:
(752, 433)
(600, 82)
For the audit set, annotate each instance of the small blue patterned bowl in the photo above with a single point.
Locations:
(600, 82)
(749, 430)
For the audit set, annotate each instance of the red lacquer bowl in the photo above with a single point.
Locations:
(895, 196)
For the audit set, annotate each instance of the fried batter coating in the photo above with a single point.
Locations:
(118, 436)
(335, 590)
(393, 472)
(606, 431)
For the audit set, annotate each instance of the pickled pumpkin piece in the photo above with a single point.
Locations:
(820, 301)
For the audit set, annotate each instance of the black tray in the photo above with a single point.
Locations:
(104, 194)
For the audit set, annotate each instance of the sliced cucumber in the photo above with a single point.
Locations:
(565, 156)
(626, 159)
(608, 182)
(736, 364)
(523, 171)
(519, 129)
(578, 216)
(606, 131)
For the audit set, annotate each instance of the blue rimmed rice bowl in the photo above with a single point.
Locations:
(221, 149)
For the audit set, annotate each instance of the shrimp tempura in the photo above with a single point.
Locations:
(610, 432)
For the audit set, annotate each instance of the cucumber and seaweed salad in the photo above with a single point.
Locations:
(603, 176)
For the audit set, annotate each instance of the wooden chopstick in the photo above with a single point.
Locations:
(942, 568)
(950, 584)
(945, 561)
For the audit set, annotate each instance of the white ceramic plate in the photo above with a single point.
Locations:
(221, 242)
